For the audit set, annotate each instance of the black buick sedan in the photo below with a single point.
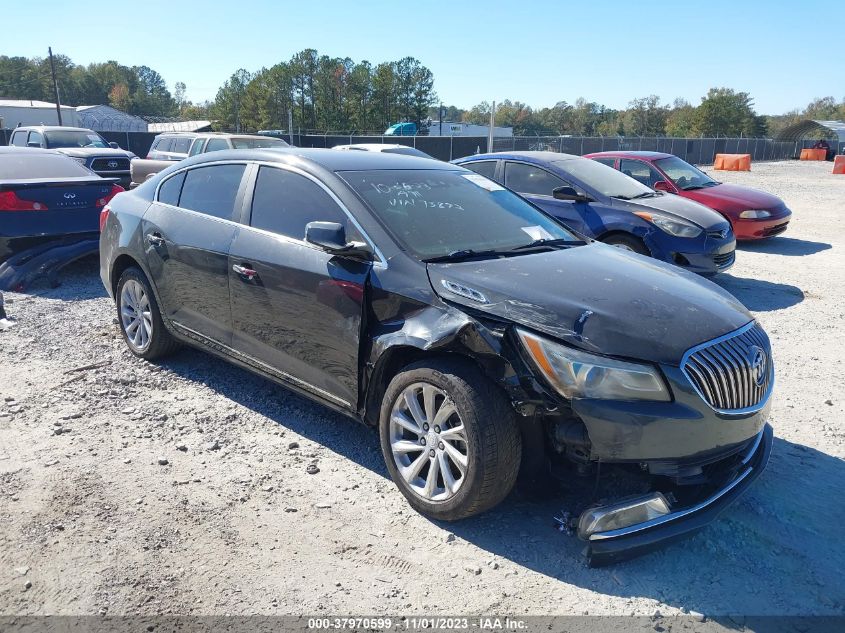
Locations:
(480, 336)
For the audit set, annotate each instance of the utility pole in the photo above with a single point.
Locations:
(55, 85)
(440, 112)
(490, 131)
(290, 125)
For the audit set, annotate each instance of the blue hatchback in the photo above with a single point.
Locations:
(604, 204)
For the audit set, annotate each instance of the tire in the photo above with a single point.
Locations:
(489, 442)
(133, 290)
(627, 242)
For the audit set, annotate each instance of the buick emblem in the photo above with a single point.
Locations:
(757, 361)
(112, 164)
(70, 196)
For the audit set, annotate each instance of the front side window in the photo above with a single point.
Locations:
(640, 171)
(74, 138)
(35, 137)
(216, 144)
(433, 213)
(284, 202)
(530, 179)
(684, 175)
(486, 168)
(212, 190)
(603, 179)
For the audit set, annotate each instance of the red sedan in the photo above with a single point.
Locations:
(753, 214)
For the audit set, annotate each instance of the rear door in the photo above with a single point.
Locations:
(187, 232)
(298, 310)
(537, 184)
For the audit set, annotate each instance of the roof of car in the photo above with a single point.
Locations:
(537, 156)
(326, 158)
(53, 128)
(631, 154)
(371, 147)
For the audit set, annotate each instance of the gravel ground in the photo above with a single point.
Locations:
(133, 488)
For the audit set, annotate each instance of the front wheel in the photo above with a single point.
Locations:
(628, 243)
(449, 438)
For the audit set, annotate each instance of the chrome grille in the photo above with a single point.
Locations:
(110, 164)
(733, 372)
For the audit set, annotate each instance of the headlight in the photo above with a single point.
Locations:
(81, 161)
(754, 214)
(577, 374)
(675, 227)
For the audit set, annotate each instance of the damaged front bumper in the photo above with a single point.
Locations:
(44, 257)
(681, 521)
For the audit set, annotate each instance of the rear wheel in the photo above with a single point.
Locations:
(628, 243)
(139, 317)
(449, 438)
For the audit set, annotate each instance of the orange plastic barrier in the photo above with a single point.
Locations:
(732, 162)
(839, 164)
(813, 154)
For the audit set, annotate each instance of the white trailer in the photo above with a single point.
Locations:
(451, 128)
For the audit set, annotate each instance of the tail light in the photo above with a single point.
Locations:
(104, 215)
(9, 201)
(115, 189)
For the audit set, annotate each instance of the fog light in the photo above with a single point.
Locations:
(622, 514)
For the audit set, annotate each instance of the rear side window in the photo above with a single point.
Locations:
(181, 145)
(196, 148)
(284, 202)
(19, 139)
(169, 191)
(486, 168)
(531, 180)
(216, 144)
(164, 144)
(212, 190)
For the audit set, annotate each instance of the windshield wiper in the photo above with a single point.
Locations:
(465, 253)
(647, 194)
(621, 197)
(712, 183)
(547, 242)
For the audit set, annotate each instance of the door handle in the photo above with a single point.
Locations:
(248, 274)
(155, 239)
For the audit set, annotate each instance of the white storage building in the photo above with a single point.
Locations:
(14, 112)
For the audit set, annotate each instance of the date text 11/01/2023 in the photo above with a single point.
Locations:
(418, 624)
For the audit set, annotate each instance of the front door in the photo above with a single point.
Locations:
(187, 233)
(297, 309)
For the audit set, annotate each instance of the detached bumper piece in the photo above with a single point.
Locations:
(44, 260)
(650, 522)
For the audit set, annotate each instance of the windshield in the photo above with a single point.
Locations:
(435, 213)
(74, 138)
(255, 143)
(683, 174)
(606, 180)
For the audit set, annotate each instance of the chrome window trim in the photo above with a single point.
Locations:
(732, 412)
(381, 262)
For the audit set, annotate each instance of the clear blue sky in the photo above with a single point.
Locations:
(538, 52)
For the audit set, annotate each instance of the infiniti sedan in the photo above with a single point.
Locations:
(606, 205)
(481, 337)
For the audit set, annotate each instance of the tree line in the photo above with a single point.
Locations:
(336, 94)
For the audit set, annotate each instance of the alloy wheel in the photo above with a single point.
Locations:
(135, 315)
(429, 442)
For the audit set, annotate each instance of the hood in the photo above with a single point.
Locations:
(598, 298)
(727, 197)
(85, 152)
(678, 207)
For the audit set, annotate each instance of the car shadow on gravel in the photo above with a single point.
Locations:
(784, 246)
(775, 551)
(759, 295)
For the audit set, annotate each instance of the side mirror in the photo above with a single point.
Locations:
(33, 144)
(569, 193)
(662, 185)
(331, 237)
(114, 145)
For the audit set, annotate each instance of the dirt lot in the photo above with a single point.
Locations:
(182, 488)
